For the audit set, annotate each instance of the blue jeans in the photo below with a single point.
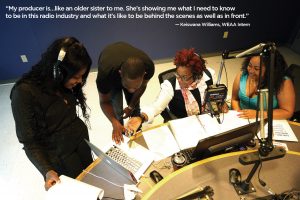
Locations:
(117, 102)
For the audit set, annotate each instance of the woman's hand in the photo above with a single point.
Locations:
(247, 114)
(51, 179)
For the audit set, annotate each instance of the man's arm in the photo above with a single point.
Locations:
(138, 93)
(135, 99)
(107, 108)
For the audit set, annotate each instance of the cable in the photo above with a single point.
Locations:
(262, 183)
(224, 66)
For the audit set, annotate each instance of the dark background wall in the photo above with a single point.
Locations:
(269, 20)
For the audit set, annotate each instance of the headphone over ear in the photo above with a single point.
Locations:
(57, 71)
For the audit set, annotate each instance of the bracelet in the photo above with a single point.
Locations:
(129, 107)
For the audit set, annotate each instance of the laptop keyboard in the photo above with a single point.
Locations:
(123, 159)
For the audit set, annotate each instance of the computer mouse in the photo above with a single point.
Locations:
(155, 176)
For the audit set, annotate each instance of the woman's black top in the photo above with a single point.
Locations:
(50, 130)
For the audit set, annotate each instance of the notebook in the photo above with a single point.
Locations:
(131, 163)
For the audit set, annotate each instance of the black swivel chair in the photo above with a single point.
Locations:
(294, 72)
(166, 113)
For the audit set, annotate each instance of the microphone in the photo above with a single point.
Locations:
(251, 50)
(215, 95)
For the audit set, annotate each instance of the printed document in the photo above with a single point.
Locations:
(161, 142)
(282, 131)
(70, 188)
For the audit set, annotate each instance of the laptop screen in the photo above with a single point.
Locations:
(113, 164)
(208, 146)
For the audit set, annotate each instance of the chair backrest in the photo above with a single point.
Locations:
(166, 75)
(166, 113)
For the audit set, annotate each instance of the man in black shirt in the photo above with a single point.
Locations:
(122, 67)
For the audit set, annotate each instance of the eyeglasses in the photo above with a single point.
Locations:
(183, 78)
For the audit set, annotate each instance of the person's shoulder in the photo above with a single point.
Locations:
(113, 47)
(241, 73)
(24, 86)
(288, 77)
(287, 80)
(240, 78)
(23, 89)
(121, 43)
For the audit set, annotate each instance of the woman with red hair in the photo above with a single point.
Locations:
(183, 93)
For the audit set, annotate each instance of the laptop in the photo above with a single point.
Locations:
(131, 163)
(228, 141)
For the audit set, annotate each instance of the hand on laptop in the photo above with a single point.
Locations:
(118, 129)
(132, 125)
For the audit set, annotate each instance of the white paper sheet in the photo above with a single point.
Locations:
(161, 142)
(187, 131)
(229, 121)
(282, 131)
(70, 188)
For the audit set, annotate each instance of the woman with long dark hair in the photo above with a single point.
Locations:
(245, 87)
(45, 104)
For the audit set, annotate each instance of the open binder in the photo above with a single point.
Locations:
(184, 133)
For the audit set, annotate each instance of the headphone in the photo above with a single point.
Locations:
(57, 67)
